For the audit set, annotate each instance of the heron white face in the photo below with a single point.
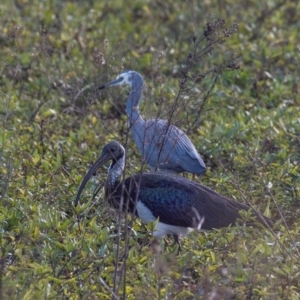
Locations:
(123, 78)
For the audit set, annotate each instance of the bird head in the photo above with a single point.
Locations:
(112, 151)
(124, 78)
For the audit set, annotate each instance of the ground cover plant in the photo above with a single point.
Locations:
(225, 72)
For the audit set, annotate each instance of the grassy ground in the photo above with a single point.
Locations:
(244, 121)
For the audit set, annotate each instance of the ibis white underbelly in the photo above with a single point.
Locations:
(161, 229)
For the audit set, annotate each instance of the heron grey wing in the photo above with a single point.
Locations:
(183, 143)
(155, 137)
(171, 137)
(171, 149)
(180, 146)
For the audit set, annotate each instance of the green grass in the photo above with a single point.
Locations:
(54, 123)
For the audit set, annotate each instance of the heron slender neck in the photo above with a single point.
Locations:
(132, 105)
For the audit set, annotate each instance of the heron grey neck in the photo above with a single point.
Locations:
(132, 105)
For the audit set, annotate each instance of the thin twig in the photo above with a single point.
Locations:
(108, 288)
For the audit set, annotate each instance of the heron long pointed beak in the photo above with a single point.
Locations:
(100, 162)
(114, 82)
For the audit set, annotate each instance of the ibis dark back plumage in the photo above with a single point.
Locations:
(162, 145)
(179, 203)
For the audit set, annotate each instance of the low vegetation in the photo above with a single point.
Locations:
(225, 72)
